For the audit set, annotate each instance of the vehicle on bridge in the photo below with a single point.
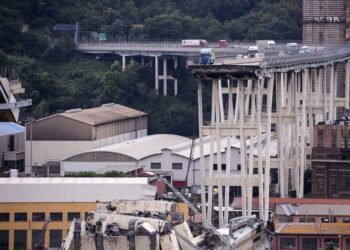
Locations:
(252, 51)
(206, 56)
(223, 43)
(265, 43)
(194, 43)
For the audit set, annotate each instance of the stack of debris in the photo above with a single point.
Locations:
(138, 225)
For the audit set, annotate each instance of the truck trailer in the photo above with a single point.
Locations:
(194, 43)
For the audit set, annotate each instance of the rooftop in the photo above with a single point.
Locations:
(70, 189)
(100, 115)
(312, 209)
(314, 228)
(10, 128)
(237, 202)
(184, 149)
(144, 146)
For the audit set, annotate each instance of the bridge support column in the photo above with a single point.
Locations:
(175, 80)
(123, 62)
(142, 60)
(347, 84)
(156, 78)
(165, 76)
(331, 106)
(270, 86)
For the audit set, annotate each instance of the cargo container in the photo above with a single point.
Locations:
(265, 43)
(194, 43)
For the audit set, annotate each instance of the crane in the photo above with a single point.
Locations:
(195, 210)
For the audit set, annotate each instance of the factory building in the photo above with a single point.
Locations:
(26, 203)
(57, 137)
(148, 152)
(173, 156)
(11, 146)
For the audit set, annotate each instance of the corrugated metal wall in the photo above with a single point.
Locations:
(101, 156)
(120, 127)
(59, 128)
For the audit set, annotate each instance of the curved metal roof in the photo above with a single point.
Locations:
(144, 146)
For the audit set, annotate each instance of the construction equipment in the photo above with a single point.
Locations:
(40, 242)
(195, 210)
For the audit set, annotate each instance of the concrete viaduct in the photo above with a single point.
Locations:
(167, 53)
(261, 100)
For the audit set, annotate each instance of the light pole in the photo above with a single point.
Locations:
(31, 120)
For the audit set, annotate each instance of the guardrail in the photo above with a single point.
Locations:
(317, 57)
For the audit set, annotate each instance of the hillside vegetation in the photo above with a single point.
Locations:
(57, 79)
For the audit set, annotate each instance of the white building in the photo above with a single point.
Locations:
(11, 146)
(164, 154)
(71, 189)
(129, 154)
(57, 137)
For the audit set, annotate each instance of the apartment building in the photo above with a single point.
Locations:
(331, 160)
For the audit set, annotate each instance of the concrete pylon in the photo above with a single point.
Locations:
(165, 76)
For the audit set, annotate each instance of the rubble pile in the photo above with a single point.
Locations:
(137, 225)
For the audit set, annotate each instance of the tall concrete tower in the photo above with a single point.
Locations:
(326, 21)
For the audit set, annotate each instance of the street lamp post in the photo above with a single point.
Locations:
(31, 120)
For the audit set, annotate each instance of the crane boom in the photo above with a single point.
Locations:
(195, 210)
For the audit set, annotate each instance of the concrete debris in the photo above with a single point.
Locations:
(142, 207)
(126, 227)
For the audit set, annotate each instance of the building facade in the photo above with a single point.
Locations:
(55, 138)
(11, 146)
(302, 236)
(331, 160)
(326, 21)
(27, 203)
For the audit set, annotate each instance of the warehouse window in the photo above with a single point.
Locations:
(334, 138)
(320, 183)
(55, 238)
(20, 216)
(320, 138)
(223, 166)
(345, 139)
(287, 243)
(56, 216)
(38, 217)
(20, 240)
(286, 219)
(73, 215)
(4, 239)
(177, 165)
(309, 243)
(35, 237)
(156, 165)
(308, 219)
(4, 216)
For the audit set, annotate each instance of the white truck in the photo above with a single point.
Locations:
(265, 43)
(194, 43)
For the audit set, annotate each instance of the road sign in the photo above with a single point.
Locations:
(102, 37)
